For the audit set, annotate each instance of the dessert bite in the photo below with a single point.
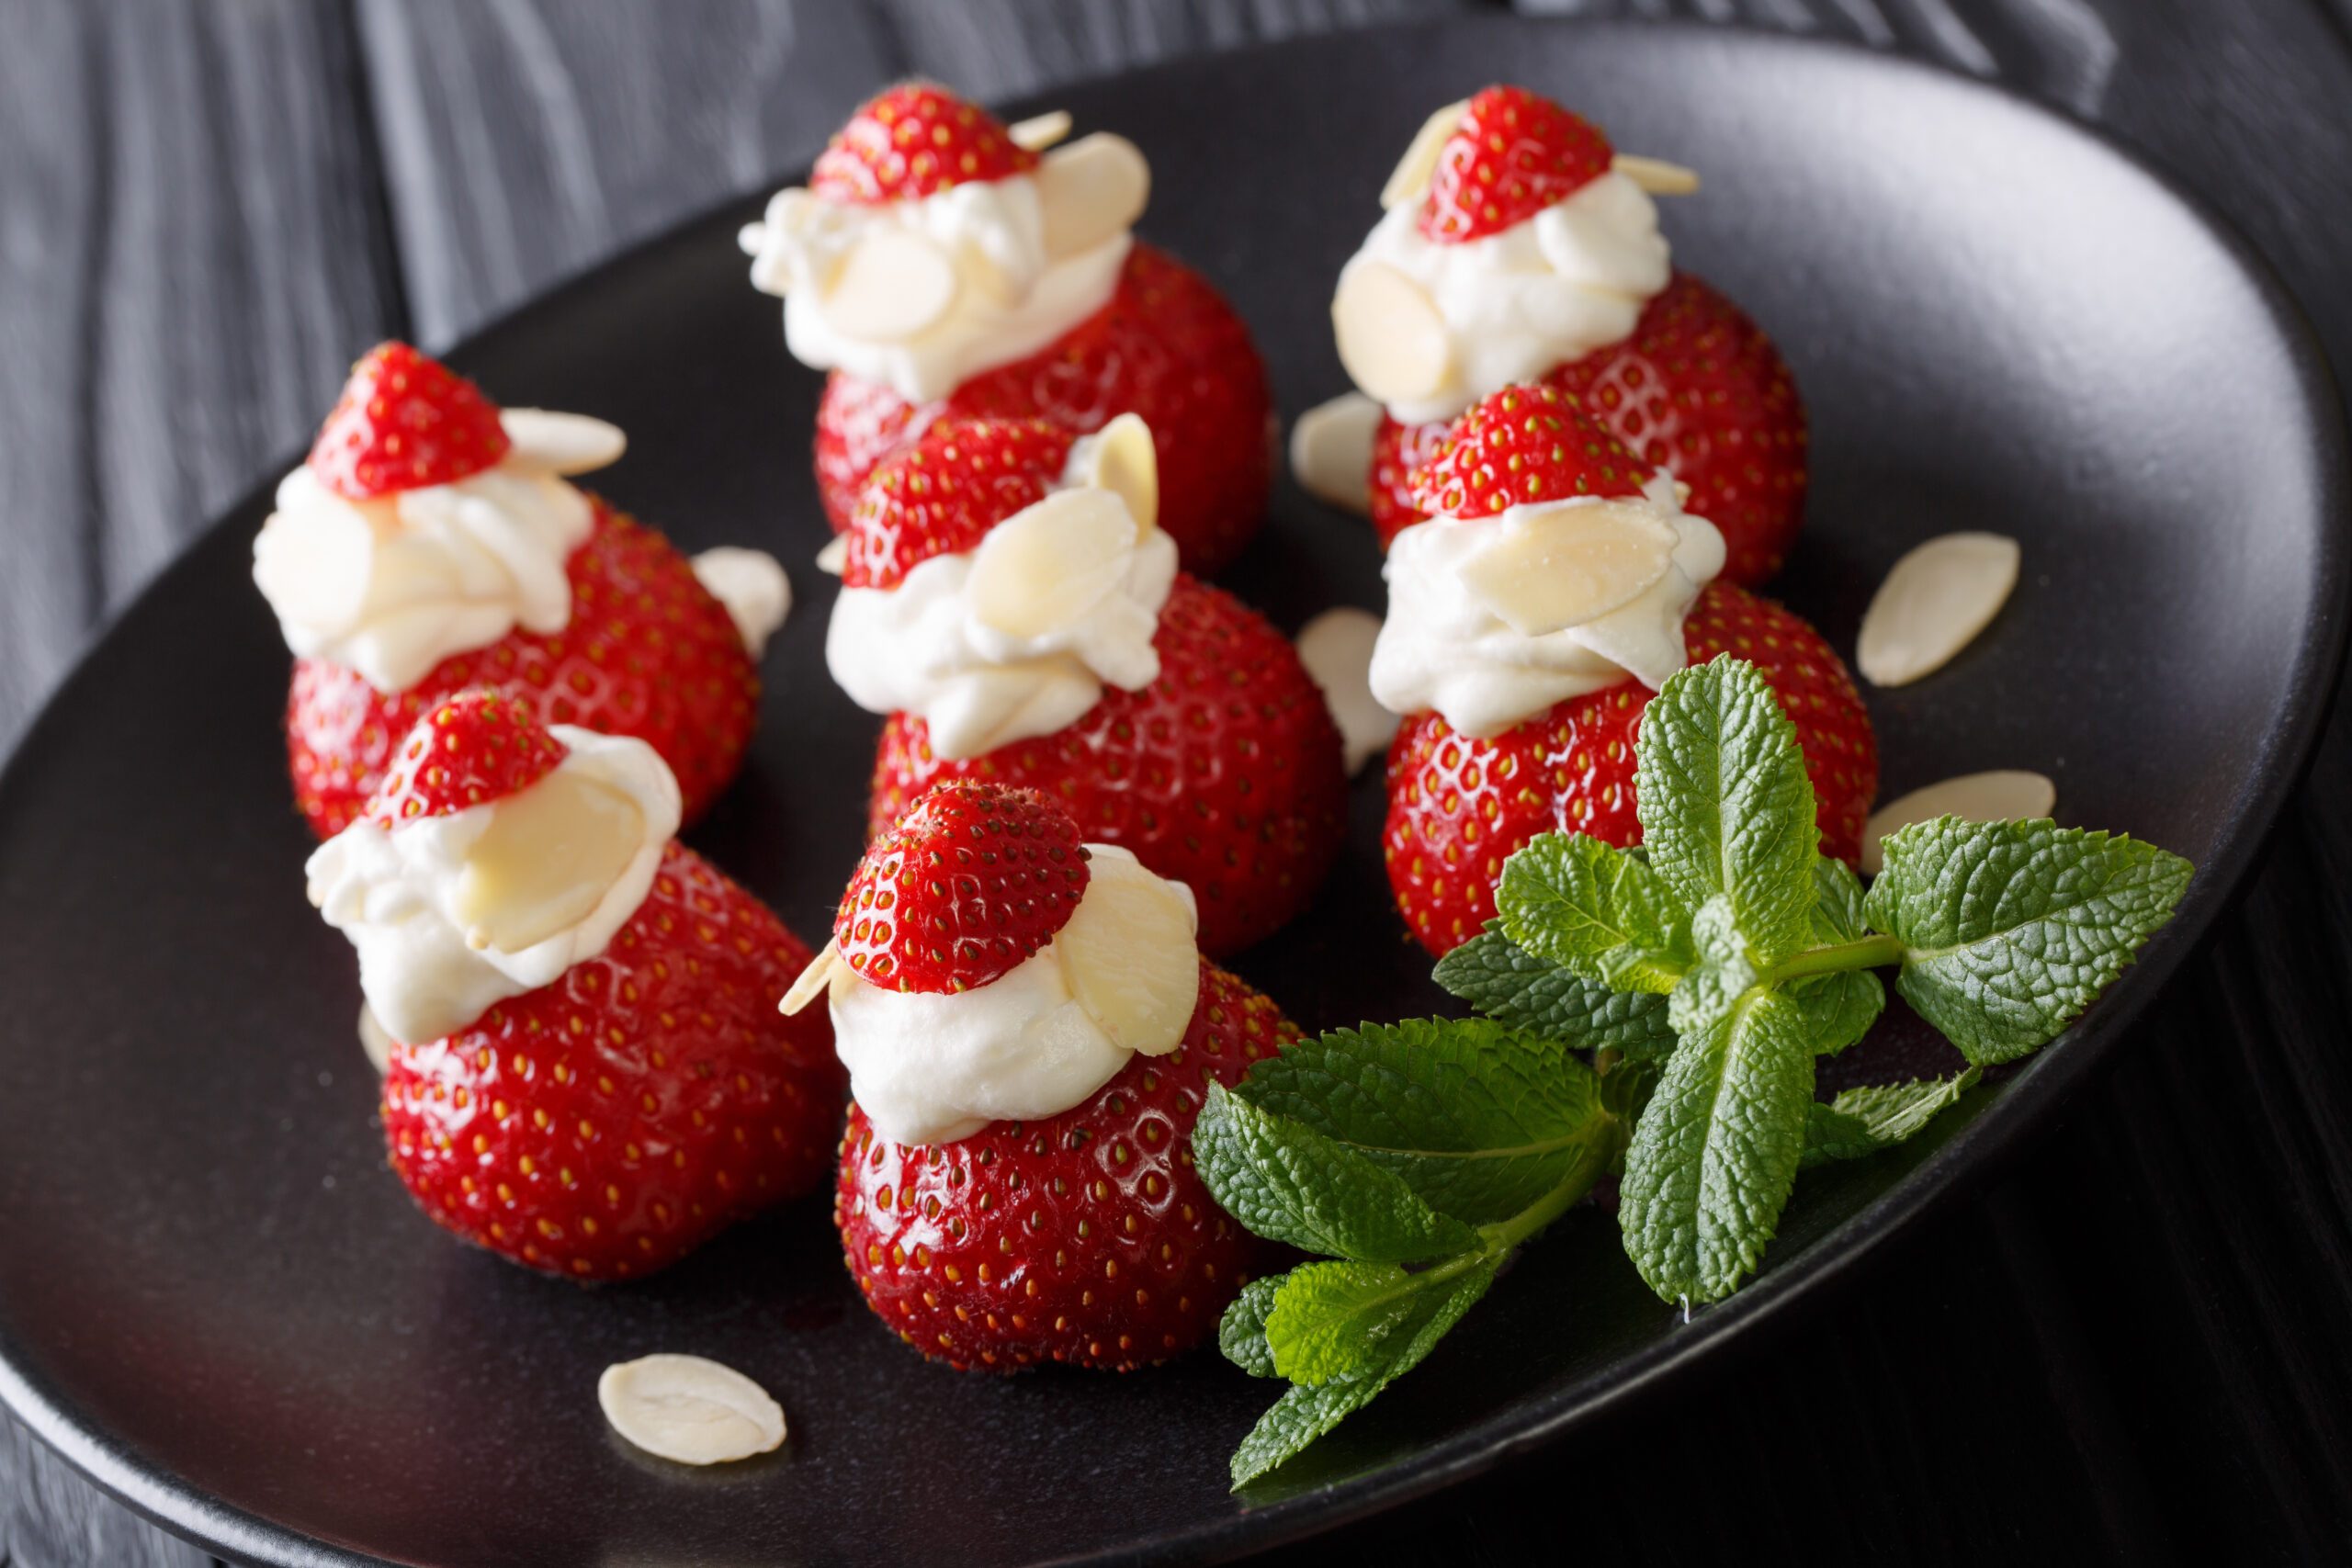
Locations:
(941, 263)
(1518, 247)
(585, 1070)
(434, 543)
(1010, 601)
(1030, 1029)
(1556, 584)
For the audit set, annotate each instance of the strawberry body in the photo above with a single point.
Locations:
(1698, 389)
(647, 652)
(1458, 807)
(1087, 1238)
(1166, 347)
(602, 1126)
(913, 141)
(1225, 773)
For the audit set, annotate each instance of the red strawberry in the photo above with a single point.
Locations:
(1457, 807)
(1514, 155)
(939, 496)
(647, 653)
(1224, 774)
(604, 1127)
(1699, 390)
(969, 884)
(1166, 347)
(1086, 1238)
(405, 422)
(914, 140)
(1521, 447)
(477, 747)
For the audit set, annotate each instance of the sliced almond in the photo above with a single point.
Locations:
(751, 586)
(1657, 176)
(547, 860)
(1040, 570)
(1418, 165)
(1392, 339)
(833, 559)
(376, 1041)
(1933, 604)
(1039, 132)
(813, 980)
(1330, 450)
(1336, 647)
(891, 285)
(689, 1409)
(2001, 795)
(1130, 956)
(1121, 458)
(1565, 565)
(1091, 190)
(562, 443)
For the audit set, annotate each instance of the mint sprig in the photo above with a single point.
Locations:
(1655, 1013)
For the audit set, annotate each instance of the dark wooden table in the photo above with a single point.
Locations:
(2135, 1344)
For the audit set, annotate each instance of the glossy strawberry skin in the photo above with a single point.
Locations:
(1166, 347)
(1087, 1238)
(1514, 155)
(913, 141)
(942, 494)
(1698, 389)
(478, 747)
(1525, 446)
(1457, 807)
(403, 422)
(604, 1125)
(1224, 774)
(647, 653)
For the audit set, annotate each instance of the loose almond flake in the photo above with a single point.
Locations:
(813, 981)
(1998, 797)
(690, 1410)
(1090, 191)
(1336, 647)
(1129, 953)
(1042, 570)
(548, 858)
(834, 557)
(1933, 604)
(1392, 339)
(562, 443)
(1418, 165)
(890, 288)
(1330, 450)
(1039, 132)
(1566, 565)
(1657, 176)
(1122, 459)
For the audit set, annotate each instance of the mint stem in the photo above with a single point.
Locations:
(1870, 953)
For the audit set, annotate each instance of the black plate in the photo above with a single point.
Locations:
(215, 1301)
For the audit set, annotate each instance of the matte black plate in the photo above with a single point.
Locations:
(215, 1300)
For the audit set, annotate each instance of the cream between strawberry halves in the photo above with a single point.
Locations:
(453, 913)
(931, 1067)
(1492, 620)
(1430, 327)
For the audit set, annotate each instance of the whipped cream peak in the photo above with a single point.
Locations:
(1493, 620)
(453, 913)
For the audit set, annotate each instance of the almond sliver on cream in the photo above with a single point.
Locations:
(1090, 191)
(1129, 955)
(2001, 795)
(545, 862)
(1934, 603)
(1560, 565)
(1039, 132)
(813, 980)
(1418, 165)
(1656, 176)
(891, 286)
(1040, 570)
(1330, 450)
(690, 1410)
(1392, 339)
(1121, 458)
(562, 443)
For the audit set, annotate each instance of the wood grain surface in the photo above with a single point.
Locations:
(2132, 1347)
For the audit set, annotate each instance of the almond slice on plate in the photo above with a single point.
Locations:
(1039, 132)
(1933, 604)
(1657, 176)
(891, 285)
(1330, 450)
(1392, 338)
(1090, 191)
(1336, 647)
(1121, 458)
(689, 1409)
(1561, 566)
(2001, 795)
(834, 557)
(1418, 165)
(1129, 953)
(1040, 570)
(562, 443)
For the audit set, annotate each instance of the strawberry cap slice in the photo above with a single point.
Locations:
(1519, 447)
(1514, 155)
(971, 883)
(475, 748)
(941, 495)
(405, 422)
(913, 141)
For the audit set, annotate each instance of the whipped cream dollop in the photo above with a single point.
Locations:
(390, 586)
(416, 901)
(1445, 647)
(931, 1067)
(751, 586)
(1511, 306)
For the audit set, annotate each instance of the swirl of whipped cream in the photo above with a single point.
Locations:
(1511, 306)
(416, 900)
(1445, 648)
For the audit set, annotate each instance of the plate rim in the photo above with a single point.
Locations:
(1964, 1162)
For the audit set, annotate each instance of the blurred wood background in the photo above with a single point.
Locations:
(2133, 1346)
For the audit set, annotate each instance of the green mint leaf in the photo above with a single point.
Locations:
(2013, 928)
(1241, 1332)
(1722, 976)
(1512, 985)
(1477, 1120)
(1331, 1319)
(1724, 803)
(1863, 1120)
(1290, 1183)
(1837, 903)
(1304, 1414)
(1716, 1153)
(1595, 911)
(1838, 1008)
